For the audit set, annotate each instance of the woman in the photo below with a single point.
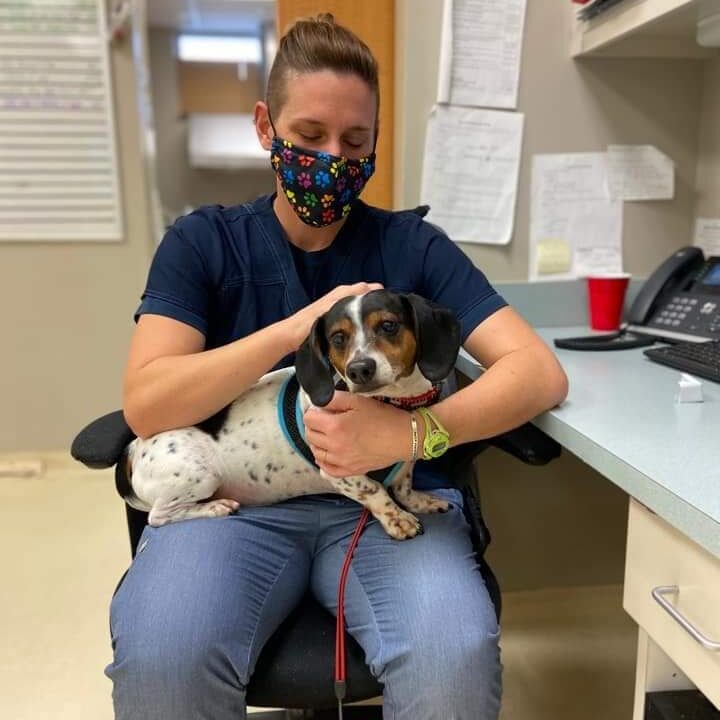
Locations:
(231, 294)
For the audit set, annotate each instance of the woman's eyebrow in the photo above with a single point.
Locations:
(318, 123)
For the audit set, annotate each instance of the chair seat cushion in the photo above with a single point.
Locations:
(296, 668)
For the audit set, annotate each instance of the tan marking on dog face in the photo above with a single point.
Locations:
(399, 348)
(340, 337)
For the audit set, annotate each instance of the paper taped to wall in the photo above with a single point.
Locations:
(480, 52)
(640, 172)
(575, 228)
(470, 172)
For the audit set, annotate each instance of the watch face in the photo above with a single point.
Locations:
(439, 443)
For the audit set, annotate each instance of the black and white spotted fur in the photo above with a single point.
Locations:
(380, 343)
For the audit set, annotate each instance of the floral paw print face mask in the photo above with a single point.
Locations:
(320, 187)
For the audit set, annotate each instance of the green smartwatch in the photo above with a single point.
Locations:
(437, 438)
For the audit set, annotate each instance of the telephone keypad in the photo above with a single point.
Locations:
(696, 315)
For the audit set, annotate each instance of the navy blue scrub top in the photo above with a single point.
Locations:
(229, 272)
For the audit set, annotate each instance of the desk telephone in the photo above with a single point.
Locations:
(679, 302)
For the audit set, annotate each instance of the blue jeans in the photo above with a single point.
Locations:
(203, 596)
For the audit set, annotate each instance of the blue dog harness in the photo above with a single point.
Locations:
(290, 418)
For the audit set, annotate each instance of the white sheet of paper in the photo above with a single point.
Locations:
(470, 172)
(640, 172)
(575, 228)
(480, 52)
(707, 235)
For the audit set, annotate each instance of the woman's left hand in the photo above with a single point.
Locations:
(353, 434)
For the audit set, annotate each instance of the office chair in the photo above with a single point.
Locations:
(295, 669)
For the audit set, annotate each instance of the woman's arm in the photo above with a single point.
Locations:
(170, 381)
(523, 379)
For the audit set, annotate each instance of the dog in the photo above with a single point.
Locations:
(381, 344)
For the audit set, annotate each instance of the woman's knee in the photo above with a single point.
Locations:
(447, 657)
(444, 675)
(172, 673)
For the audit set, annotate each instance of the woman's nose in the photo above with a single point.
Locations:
(333, 147)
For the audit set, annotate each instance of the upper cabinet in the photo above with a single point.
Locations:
(647, 28)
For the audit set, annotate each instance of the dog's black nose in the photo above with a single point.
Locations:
(362, 371)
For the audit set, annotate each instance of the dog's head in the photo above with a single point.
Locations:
(374, 341)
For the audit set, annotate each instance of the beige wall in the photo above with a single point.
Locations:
(180, 185)
(569, 106)
(565, 524)
(708, 174)
(66, 309)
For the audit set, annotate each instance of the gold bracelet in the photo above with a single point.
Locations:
(413, 425)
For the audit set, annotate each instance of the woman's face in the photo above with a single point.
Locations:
(329, 112)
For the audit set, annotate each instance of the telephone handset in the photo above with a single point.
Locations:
(680, 301)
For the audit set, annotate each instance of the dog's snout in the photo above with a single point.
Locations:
(361, 371)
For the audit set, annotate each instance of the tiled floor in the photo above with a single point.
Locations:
(568, 654)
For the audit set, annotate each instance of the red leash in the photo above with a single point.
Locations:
(340, 678)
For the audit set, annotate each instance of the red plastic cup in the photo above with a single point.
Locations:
(606, 297)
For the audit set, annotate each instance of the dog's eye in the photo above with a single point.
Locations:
(338, 339)
(389, 327)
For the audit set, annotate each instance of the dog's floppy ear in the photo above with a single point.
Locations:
(312, 368)
(437, 332)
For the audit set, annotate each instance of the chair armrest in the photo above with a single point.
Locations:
(526, 443)
(529, 444)
(101, 443)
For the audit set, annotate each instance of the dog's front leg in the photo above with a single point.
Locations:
(398, 523)
(415, 500)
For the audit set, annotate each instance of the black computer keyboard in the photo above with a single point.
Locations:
(701, 359)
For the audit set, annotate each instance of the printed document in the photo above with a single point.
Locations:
(575, 227)
(470, 172)
(480, 52)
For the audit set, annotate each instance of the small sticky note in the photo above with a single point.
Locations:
(554, 255)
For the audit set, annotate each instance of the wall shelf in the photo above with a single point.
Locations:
(640, 28)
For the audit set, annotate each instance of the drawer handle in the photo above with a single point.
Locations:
(659, 593)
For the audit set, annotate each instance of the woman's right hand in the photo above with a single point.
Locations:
(301, 322)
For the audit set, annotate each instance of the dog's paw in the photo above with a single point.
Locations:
(163, 514)
(221, 508)
(437, 506)
(401, 525)
(420, 502)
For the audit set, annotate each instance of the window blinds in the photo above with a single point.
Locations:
(58, 164)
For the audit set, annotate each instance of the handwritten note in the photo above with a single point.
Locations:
(575, 228)
(640, 172)
(480, 52)
(470, 172)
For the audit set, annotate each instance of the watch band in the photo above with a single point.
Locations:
(437, 438)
